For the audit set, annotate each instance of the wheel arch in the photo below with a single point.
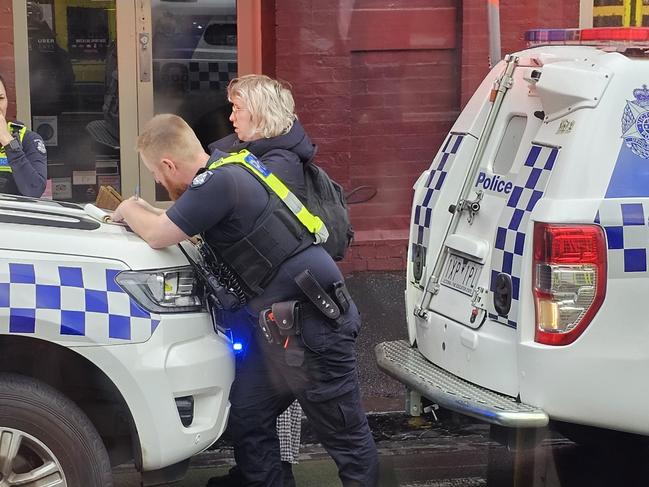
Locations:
(82, 382)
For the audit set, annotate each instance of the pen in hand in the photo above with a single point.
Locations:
(137, 192)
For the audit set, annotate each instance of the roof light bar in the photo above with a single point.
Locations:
(551, 36)
(624, 34)
(617, 38)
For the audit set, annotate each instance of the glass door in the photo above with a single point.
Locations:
(72, 97)
(95, 71)
(187, 55)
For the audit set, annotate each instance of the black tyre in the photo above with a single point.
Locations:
(45, 439)
(599, 438)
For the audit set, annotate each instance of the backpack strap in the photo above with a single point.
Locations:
(253, 165)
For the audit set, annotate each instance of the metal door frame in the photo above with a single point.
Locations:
(135, 87)
(128, 96)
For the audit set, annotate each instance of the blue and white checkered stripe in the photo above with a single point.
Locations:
(423, 214)
(508, 249)
(627, 233)
(211, 75)
(79, 303)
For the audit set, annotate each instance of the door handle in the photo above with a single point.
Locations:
(145, 56)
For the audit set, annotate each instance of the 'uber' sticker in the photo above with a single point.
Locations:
(40, 146)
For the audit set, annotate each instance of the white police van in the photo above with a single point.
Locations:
(527, 265)
(106, 352)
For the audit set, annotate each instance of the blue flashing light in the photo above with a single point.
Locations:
(553, 35)
(237, 346)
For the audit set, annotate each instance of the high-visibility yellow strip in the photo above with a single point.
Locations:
(21, 135)
(311, 222)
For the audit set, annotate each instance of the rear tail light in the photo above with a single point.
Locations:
(569, 280)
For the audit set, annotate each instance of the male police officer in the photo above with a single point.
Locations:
(303, 346)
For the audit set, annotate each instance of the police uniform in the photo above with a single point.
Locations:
(316, 366)
(284, 154)
(23, 163)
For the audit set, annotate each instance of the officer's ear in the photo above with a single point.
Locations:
(169, 164)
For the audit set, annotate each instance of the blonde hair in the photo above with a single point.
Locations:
(168, 136)
(269, 101)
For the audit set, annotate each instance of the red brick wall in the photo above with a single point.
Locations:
(377, 90)
(7, 54)
(379, 97)
(516, 17)
(377, 86)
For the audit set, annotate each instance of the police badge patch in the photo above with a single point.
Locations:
(200, 179)
(257, 164)
(40, 146)
(635, 123)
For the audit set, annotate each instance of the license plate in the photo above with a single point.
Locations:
(461, 274)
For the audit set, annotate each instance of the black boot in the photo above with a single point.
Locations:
(287, 470)
(231, 479)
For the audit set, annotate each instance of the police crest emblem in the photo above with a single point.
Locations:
(257, 164)
(200, 179)
(40, 146)
(635, 123)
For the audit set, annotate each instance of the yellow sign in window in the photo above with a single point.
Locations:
(616, 13)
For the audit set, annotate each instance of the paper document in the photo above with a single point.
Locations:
(97, 213)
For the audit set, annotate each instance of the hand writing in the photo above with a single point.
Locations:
(118, 215)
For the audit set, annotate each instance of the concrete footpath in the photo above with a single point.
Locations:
(413, 452)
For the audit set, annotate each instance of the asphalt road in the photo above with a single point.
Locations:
(452, 452)
(419, 452)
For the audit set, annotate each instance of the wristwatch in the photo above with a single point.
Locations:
(12, 146)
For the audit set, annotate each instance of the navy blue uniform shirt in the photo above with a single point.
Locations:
(223, 204)
(28, 168)
(284, 154)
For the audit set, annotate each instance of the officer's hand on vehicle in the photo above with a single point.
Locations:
(146, 205)
(117, 215)
(5, 135)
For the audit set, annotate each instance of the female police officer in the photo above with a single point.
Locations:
(23, 158)
(265, 123)
(316, 364)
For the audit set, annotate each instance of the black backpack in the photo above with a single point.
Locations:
(326, 199)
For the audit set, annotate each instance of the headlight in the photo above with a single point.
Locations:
(173, 290)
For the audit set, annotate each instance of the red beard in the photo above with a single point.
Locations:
(175, 190)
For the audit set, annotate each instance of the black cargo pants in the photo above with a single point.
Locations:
(323, 378)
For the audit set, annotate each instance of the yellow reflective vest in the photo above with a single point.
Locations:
(4, 162)
(311, 222)
(284, 229)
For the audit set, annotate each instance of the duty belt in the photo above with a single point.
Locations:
(330, 306)
(284, 319)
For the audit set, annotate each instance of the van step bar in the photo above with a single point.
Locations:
(408, 365)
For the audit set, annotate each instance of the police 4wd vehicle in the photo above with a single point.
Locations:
(106, 352)
(527, 272)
